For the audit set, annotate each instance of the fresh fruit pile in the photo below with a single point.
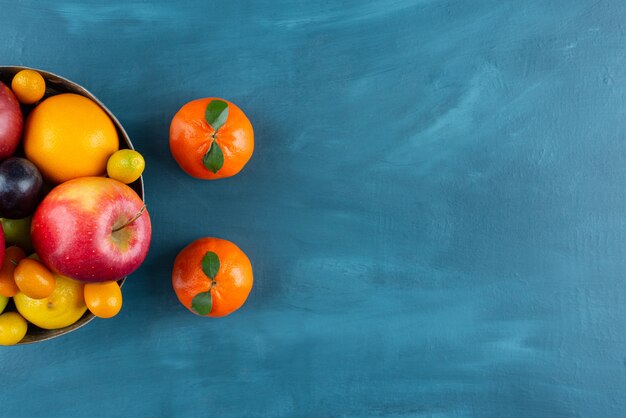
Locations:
(68, 233)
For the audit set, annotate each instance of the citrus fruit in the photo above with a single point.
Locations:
(125, 165)
(12, 328)
(3, 303)
(212, 276)
(34, 279)
(28, 86)
(211, 138)
(103, 299)
(17, 232)
(68, 136)
(12, 256)
(62, 308)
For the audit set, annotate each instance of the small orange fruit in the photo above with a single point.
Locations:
(34, 279)
(212, 277)
(12, 255)
(211, 138)
(68, 136)
(28, 86)
(104, 299)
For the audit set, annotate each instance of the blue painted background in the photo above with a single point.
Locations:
(435, 208)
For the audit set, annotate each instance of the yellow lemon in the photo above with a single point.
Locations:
(126, 165)
(68, 136)
(12, 328)
(63, 307)
(28, 86)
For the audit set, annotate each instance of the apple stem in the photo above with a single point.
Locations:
(133, 219)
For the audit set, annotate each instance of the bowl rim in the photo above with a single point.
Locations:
(73, 87)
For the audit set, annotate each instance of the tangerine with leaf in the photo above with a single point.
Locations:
(212, 277)
(211, 138)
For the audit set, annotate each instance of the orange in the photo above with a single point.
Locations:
(204, 152)
(34, 279)
(103, 299)
(28, 86)
(68, 136)
(212, 276)
(12, 255)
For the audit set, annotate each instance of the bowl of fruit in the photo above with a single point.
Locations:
(74, 223)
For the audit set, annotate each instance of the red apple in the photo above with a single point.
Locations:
(11, 122)
(92, 229)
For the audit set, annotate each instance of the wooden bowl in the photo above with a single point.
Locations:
(55, 85)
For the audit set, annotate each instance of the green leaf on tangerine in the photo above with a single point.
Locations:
(202, 303)
(216, 113)
(213, 160)
(210, 264)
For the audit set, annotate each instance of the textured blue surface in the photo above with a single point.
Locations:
(435, 208)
